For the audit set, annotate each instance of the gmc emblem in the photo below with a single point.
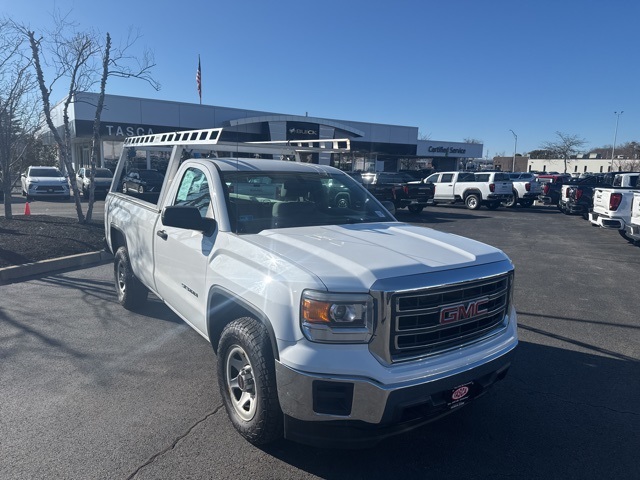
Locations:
(462, 311)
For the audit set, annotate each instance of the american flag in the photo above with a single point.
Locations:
(199, 80)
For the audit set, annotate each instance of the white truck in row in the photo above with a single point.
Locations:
(334, 324)
(472, 189)
(612, 205)
(632, 229)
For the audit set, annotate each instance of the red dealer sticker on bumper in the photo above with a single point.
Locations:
(460, 395)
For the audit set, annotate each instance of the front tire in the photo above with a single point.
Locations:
(131, 292)
(247, 381)
(472, 202)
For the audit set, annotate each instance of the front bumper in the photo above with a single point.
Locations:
(604, 221)
(399, 409)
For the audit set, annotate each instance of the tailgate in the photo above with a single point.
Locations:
(503, 188)
(601, 200)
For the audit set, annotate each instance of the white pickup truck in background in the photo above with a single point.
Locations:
(334, 324)
(474, 189)
(612, 205)
(633, 227)
(525, 189)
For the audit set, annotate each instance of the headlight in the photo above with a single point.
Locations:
(337, 317)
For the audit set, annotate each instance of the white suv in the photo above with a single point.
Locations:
(44, 182)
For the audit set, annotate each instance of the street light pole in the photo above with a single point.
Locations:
(615, 136)
(515, 148)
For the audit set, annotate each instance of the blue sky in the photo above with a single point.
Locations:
(455, 69)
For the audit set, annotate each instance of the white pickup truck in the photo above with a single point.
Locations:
(633, 227)
(474, 189)
(334, 324)
(525, 189)
(612, 205)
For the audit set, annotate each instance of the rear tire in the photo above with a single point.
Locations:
(624, 235)
(131, 292)
(415, 208)
(512, 201)
(526, 203)
(472, 202)
(493, 205)
(247, 381)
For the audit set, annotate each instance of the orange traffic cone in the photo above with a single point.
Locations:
(27, 209)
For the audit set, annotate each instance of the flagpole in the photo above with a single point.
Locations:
(199, 80)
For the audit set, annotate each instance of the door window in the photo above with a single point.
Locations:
(194, 191)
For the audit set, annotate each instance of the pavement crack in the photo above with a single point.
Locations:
(174, 443)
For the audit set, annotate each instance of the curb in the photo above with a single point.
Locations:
(19, 272)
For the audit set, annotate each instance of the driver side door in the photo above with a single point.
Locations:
(182, 256)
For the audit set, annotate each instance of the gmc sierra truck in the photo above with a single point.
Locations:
(612, 205)
(473, 189)
(334, 324)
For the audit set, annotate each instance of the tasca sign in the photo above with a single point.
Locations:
(119, 130)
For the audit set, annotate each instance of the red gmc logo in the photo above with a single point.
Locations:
(462, 311)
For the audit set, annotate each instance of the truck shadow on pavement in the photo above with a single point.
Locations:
(558, 414)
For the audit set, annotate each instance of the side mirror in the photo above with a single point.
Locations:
(187, 217)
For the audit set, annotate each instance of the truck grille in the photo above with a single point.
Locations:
(432, 320)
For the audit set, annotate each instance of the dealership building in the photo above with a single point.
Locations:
(374, 146)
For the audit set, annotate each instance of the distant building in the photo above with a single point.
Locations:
(507, 164)
(374, 146)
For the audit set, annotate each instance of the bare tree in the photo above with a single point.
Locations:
(18, 108)
(83, 61)
(566, 146)
(472, 140)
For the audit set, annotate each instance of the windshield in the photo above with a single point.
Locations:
(258, 201)
(45, 172)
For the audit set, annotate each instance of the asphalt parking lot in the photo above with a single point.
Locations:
(90, 390)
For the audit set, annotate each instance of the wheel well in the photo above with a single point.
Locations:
(117, 240)
(472, 192)
(225, 307)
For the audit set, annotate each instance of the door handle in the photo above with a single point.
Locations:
(162, 234)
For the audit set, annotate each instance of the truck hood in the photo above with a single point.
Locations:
(338, 255)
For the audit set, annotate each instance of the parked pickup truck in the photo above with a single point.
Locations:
(333, 324)
(633, 227)
(580, 193)
(399, 188)
(552, 188)
(525, 189)
(474, 189)
(612, 205)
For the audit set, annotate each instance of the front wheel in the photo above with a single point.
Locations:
(131, 292)
(415, 208)
(247, 381)
(472, 202)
